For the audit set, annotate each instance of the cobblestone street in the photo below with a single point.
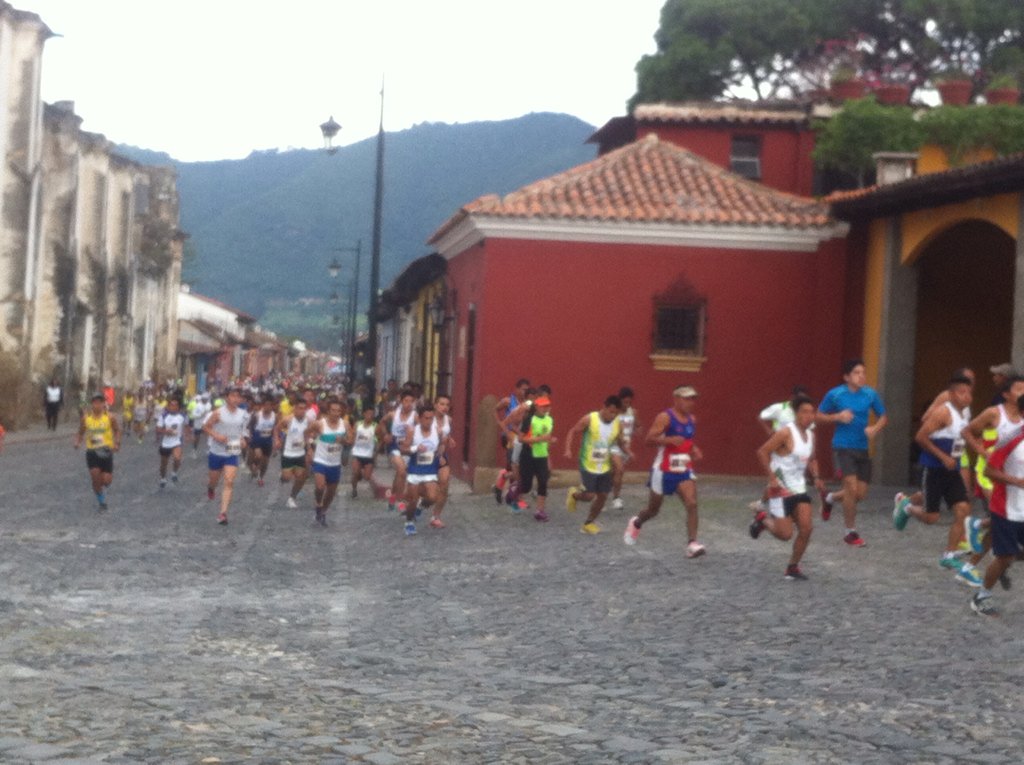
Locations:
(151, 634)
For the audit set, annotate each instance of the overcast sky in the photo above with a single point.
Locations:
(215, 79)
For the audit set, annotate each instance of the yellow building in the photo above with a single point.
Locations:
(941, 263)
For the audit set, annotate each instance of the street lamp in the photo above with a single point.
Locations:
(353, 306)
(330, 129)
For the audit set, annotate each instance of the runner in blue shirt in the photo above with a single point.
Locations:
(848, 407)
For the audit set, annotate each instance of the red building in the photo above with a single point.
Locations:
(649, 267)
(771, 144)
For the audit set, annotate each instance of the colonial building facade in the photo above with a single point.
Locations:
(90, 250)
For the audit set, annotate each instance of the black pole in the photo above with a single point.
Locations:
(354, 310)
(378, 204)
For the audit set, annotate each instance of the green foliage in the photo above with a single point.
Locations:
(848, 140)
(961, 130)
(782, 48)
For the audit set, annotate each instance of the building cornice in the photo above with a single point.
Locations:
(474, 229)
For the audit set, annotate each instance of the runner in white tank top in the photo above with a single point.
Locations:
(364, 448)
(331, 434)
(397, 424)
(291, 438)
(787, 457)
(423, 445)
(629, 425)
(442, 407)
(225, 431)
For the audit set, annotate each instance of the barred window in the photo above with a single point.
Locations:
(745, 157)
(679, 329)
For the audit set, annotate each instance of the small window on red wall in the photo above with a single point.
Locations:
(679, 336)
(680, 329)
(745, 157)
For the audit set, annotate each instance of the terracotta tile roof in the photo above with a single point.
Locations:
(997, 176)
(747, 113)
(649, 181)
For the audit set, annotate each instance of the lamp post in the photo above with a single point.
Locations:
(329, 130)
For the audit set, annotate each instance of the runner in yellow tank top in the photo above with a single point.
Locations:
(102, 435)
(600, 430)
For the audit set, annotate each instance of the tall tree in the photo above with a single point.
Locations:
(786, 48)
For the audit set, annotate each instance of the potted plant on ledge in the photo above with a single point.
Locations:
(845, 85)
(1002, 89)
(954, 87)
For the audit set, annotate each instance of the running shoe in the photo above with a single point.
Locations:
(391, 499)
(209, 492)
(259, 482)
(900, 514)
(400, 507)
(826, 506)
(354, 492)
(436, 523)
(570, 500)
(222, 519)
(590, 528)
(757, 525)
(521, 505)
(632, 532)
(757, 506)
(974, 534)
(794, 574)
(497, 494)
(1004, 581)
(410, 529)
(101, 507)
(695, 549)
(969, 575)
(292, 503)
(983, 605)
(163, 482)
(541, 516)
(419, 509)
(174, 477)
(950, 561)
(853, 539)
(617, 503)
(321, 517)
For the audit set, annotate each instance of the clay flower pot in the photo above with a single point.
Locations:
(847, 90)
(1002, 95)
(892, 94)
(955, 92)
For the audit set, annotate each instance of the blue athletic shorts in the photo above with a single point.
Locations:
(667, 483)
(332, 473)
(1007, 536)
(265, 445)
(217, 462)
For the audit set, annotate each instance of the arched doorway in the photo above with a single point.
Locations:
(964, 308)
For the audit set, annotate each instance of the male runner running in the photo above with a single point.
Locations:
(103, 438)
(330, 434)
(628, 418)
(171, 429)
(942, 445)
(849, 406)
(261, 442)
(787, 457)
(290, 433)
(396, 424)
(422, 443)
(443, 419)
(533, 461)
(364, 447)
(225, 430)
(1006, 469)
(672, 432)
(600, 430)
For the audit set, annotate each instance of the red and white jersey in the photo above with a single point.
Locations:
(1008, 501)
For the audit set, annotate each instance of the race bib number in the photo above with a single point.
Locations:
(233, 447)
(297, 444)
(334, 448)
(599, 454)
(364, 440)
(95, 441)
(265, 433)
(958, 449)
(678, 463)
(424, 458)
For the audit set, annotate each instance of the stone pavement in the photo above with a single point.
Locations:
(150, 634)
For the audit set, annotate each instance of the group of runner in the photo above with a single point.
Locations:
(314, 433)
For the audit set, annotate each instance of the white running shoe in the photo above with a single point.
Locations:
(617, 503)
(291, 503)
